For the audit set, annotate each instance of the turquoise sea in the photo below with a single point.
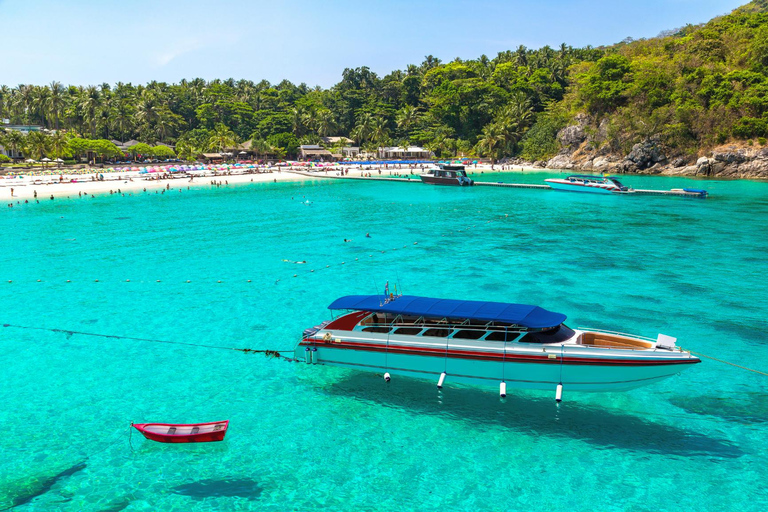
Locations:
(315, 438)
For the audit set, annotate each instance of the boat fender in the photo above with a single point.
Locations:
(559, 393)
(440, 382)
(387, 377)
(503, 390)
(307, 355)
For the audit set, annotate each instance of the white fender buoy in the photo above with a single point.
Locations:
(387, 377)
(440, 382)
(503, 390)
(559, 393)
(307, 355)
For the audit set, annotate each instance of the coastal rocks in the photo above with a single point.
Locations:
(644, 155)
(571, 137)
(703, 166)
(559, 162)
(736, 157)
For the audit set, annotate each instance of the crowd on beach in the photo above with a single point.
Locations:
(23, 188)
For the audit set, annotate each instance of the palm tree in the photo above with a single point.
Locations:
(36, 144)
(221, 138)
(298, 119)
(5, 101)
(58, 144)
(490, 140)
(363, 127)
(324, 122)
(13, 140)
(90, 102)
(260, 146)
(379, 130)
(56, 102)
(407, 117)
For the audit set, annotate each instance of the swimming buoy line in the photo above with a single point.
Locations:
(268, 353)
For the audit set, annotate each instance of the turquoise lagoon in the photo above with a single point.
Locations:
(315, 438)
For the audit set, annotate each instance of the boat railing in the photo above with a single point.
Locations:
(606, 331)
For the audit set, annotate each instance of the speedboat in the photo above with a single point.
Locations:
(588, 183)
(486, 343)
(445, 174)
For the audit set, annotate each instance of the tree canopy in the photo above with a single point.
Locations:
(689, 87)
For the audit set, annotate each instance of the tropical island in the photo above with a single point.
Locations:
(692, 101)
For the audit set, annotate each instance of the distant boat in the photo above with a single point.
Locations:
(588, 183)
(445, 174)
(183, 432)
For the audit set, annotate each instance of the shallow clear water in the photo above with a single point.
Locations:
(317, 438)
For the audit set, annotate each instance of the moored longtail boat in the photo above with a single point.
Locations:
(492, 343)
(183, 432)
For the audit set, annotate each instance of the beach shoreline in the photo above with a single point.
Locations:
(78, 185)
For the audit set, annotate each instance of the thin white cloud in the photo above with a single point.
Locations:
(177, 49)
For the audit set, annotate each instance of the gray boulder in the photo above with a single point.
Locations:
(645, 154)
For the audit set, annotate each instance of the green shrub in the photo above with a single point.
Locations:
(4, 159)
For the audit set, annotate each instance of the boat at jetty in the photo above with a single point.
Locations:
(478, 342)
(588, 183)
(183, 432)
(445, 174)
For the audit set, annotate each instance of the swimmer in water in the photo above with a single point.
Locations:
(367, 235)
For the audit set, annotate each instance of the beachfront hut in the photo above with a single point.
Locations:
(332, 141)
(211, 158)
(410, 153)
(313, 152)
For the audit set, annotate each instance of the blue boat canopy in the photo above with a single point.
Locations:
(520, 314)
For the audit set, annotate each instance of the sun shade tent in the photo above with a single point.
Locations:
(524, 315)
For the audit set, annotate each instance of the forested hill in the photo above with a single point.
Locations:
(686, 91)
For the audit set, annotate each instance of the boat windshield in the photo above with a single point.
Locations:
(616, 182)
(555, 335)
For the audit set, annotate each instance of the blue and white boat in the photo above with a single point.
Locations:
(588, 183)
(485, 343)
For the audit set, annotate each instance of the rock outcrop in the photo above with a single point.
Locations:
(587, 149)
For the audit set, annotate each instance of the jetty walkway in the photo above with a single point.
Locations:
(642, 192)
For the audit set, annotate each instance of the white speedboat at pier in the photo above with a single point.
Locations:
(588, 183)
(486, 343)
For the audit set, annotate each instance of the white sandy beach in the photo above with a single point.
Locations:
(83, 184)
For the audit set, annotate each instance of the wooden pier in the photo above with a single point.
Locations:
(675, 192)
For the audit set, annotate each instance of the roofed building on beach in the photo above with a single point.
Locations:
(211, 158)
(332, 141)
(410, 153)
(314, 152)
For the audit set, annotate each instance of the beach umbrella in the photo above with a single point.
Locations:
(46, 159)
(30, 161)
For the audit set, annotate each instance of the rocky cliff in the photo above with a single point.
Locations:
(584, 149)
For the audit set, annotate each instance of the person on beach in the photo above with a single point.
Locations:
(35, 193)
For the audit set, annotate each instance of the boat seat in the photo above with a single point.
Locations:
(217, 427)
(613, 341)
(172, 430)
(195, 430)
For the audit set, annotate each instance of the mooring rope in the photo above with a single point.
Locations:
(726, 362)
(268, 353)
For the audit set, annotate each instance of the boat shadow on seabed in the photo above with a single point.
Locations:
(530, 414)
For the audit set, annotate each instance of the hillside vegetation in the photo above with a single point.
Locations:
(688, 90)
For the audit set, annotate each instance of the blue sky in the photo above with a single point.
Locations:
(89, 42)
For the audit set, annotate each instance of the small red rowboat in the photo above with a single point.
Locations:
(183, 433)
